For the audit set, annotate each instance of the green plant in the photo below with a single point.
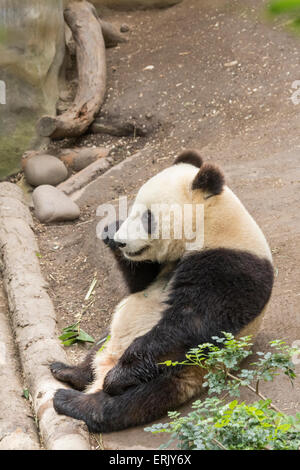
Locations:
(216, 424)
(289, 8)
(284, 6)
(74, 334)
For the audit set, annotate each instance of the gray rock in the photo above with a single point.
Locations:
(124, 28)
(52, 205)
(45, 169)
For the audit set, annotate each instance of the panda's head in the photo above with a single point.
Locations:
(164, 217)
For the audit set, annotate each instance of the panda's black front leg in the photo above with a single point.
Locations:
(138, 275)
(80, 376)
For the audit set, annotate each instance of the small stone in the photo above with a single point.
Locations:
(52, 205)
(26, 157)
(231, 64)
(45, 169)
(124, 28)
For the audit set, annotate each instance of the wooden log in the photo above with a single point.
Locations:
(119, 128)
(33, 321)
(84, 23)
(17, 430)
(84, 177)
(111, 35)
(78, 158)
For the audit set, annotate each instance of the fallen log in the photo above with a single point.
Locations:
(119, 128)
(79, 158)
(111, 35)
(33, 321)
(83, 21)
(17, 430)
(83, 177)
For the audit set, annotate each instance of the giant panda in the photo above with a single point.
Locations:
(182, 295)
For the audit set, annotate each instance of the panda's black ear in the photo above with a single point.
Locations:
(210, 180)
(192, 157)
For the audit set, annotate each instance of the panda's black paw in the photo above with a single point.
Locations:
(81, 406)
(109, 232)
(77, 377)
(61, 371)
(57, 367)
(65, 401)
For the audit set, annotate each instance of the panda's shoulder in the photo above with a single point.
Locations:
(219, 267)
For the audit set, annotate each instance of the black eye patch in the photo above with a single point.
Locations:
(148, 222)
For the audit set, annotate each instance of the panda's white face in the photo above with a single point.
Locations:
(154, 228)
(164, 220)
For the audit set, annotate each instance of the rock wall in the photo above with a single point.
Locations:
(31, 53)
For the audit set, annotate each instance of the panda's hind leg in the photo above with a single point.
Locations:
(80, 376)
(136, 406)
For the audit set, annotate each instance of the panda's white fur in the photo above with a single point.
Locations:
(134, 316)
(226, 224)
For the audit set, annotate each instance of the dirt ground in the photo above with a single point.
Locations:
(221, 81)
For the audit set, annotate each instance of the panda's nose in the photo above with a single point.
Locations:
(120, 244)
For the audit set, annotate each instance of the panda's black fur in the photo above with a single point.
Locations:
(211, 291)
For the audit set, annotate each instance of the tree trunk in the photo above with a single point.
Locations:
(84, 23)
(111, 35)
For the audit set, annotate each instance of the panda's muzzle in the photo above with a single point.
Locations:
(136, 253)
(119, 244)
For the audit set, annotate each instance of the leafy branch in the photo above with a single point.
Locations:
(74, 333)
(215, 424)
(289, 8)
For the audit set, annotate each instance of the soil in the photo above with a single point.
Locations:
(220, 81)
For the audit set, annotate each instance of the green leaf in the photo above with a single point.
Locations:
(284, 427)
(212, 424)
(85, 337)
(69, 335)
(73, 327)
(283, 6)
(73, 333)
(69, 342)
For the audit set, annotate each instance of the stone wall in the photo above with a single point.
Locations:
(31, 53)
